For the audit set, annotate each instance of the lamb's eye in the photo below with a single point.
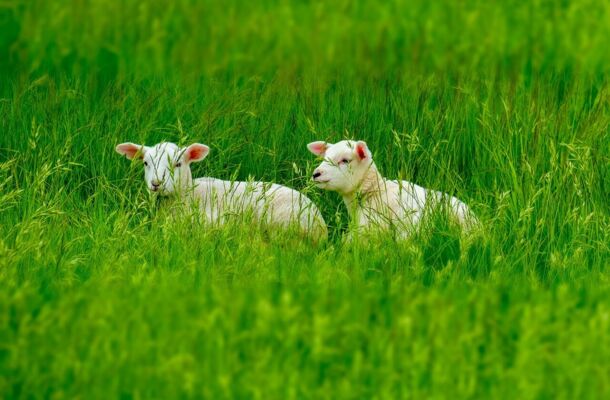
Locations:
(345, 161)
(146, 163)
(178, 165)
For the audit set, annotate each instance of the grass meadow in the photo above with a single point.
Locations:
(504, 104)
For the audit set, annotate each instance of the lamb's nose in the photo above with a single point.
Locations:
(316, 174)
(155, 182)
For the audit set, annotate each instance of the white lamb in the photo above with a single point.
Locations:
(373, 202)
(168, 173)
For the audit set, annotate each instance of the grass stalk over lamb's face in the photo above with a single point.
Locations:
(344, 165)
(167, 168)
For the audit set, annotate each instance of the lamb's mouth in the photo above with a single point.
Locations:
(158, 190)
(321, 182)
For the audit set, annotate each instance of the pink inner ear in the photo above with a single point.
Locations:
(129, 150)
(195, 153)
(318, 148)
(361, 151)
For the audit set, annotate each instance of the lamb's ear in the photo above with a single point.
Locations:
(318, 148)
(362, 150)
(131, 150)
(196, 152)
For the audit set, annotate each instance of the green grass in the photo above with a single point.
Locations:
(506, 105)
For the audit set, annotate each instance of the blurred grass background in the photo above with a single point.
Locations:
(504, 104)
(361, 40)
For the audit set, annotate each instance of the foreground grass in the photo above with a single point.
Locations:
(101, 297)
(162, 311)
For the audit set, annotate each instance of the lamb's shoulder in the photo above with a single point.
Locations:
(227, 189)
(209, 187)
(208, 183)
(403, 204)
(420, 199)
(410, 195)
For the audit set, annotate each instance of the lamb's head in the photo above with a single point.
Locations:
(345, 165)
(166, 166)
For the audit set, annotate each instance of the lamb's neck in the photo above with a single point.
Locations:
(186, 193)
(371, 187)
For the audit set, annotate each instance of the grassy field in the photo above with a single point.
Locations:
(504, 104)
